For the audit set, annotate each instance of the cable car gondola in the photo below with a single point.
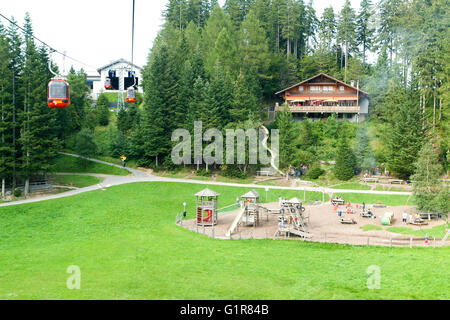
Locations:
(58, 94)
(131, 95)
(108, 83)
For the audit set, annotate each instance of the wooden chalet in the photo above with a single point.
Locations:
(321, 96)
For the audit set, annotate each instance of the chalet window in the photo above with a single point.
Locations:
(341, 88)
(328, 89)
(314, 89)
(301, 89)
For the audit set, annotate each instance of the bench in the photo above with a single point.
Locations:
(419, 222)
(264, 173)
(429, 216)
(375, 180)
(395, 181)
(348, 221)
(338, 201)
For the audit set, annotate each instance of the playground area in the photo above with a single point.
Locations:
(332, 222)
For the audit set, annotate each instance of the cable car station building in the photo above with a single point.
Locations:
(321, 96)
(121, 74)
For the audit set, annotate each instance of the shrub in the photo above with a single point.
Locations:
(203, 173)
(17, 193)
(232, 171)
(316, 171)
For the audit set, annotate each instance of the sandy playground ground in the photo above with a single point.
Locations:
(324, 226)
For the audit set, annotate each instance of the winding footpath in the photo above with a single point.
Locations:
(142, 176)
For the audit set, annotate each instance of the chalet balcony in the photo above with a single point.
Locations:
(322, 109)
(322, 94)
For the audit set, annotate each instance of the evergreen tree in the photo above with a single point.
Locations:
(221, 94)
(365, 31)
(85, 145)
(404, 131)
(245, 103)
(38, 139)
(426, 180)
(288, 137)
(327, 27)
(347, 32)
(156, 130)
(345, 161)
(6, 146)
(102, 110)
(365, 158)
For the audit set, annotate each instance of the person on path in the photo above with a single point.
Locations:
(405, 217)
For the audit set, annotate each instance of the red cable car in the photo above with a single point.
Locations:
(58, 94)
(108, 83)
(131, 95)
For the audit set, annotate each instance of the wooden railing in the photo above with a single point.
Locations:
(322, 109)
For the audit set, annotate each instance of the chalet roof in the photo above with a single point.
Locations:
(207, 193)
(318, 75)
(121, 60)
(251, 195)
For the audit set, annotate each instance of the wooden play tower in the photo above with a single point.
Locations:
(251, 204)
(207, 208)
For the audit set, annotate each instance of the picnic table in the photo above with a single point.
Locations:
(395, 181)
(347, 221)
(367, 215)
(419, 222)
(370, 180)
(338, 201)
(428, 215)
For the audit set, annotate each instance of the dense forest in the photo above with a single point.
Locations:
(222, 66)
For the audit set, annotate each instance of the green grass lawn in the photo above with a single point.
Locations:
(371, 227)
(351, 186)
(78, 181)
(127, 246)
(387, 199)
(435, 232)
(69, 164)
(130, 163)
(248, 180)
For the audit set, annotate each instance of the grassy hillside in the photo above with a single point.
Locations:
(69, 164)
(127, 246)
(74, 180)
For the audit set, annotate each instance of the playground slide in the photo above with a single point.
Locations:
(235, 222)
(208, 217)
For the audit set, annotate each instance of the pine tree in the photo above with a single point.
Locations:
(426, 180)
(85, 145)
(254, 49)
(327, 28)
(404, 131)
(16, 65)
(6, 146)
(345, 161)
(221, 94)
(347, 32)
(102, 110)
(38, 139)
(156, 130)
(245, 103)
(288, 137)
(365, 31)
(365, 158)
(225, 53)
